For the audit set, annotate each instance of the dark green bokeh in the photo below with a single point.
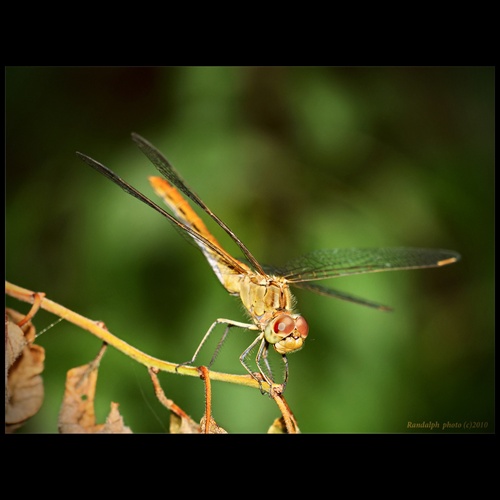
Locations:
(293, 159)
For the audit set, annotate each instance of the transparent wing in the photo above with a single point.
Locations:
(167, 170)
(329, 292)
(323, 264)
(180, 226)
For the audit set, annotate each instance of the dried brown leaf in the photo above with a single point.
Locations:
(114, 422)
(24, 385)
(14, 343)
(77, 414)
(183, 424)
(213, 427)
(77, 410)
(27, 328)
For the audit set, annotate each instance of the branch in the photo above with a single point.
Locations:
(98, 329)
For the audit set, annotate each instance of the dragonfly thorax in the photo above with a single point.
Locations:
(269, 302)
(262, 296)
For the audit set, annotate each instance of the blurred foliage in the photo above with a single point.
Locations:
(293, 159)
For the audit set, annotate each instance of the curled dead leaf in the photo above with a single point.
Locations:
(77, 414)
(28, 328)
(24, 362)
(14, 343)
(114, 422)
(77, 409)
(213, 427)
(25, 385)
(180, 424)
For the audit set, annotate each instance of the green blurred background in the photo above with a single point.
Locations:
(293, 159)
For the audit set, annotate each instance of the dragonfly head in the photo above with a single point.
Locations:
(286, 332)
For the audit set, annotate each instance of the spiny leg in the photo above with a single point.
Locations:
(260, 338)
(285, 380)
(229, 323)
(219, 346)
(262, 355)
(262, 358)
(265, 352)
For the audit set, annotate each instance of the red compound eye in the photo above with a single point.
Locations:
(302, 326)
(284, 324)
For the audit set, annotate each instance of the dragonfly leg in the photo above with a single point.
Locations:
(285, 380)
(265, 351)
(230, 324)
(262, 357)
(260, 375)
(219, 346)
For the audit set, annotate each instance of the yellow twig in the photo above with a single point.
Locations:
(100, 331)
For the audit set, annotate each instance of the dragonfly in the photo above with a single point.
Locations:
(264, 291)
